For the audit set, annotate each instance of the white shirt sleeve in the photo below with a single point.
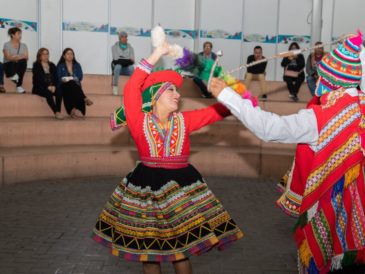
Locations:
(296, 128)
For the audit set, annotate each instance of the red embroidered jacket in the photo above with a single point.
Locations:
(168, 148)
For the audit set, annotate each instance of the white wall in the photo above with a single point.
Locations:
(234, 26)
(50, 30)
(261, 32)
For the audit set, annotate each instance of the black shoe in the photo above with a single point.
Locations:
(295, 98)
(207, 95)
(263, 97)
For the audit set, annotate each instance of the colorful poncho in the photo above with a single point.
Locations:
(327, 191)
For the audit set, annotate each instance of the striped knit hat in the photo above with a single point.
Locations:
(341, 67)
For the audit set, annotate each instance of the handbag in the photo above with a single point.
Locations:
(123, 62)
(292, 73)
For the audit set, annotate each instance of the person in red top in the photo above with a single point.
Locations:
(163, 211)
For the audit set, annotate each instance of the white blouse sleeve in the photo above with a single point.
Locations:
(296, 128)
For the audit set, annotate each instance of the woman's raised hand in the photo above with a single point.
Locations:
(159, 51)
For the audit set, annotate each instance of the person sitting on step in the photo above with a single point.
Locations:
(45, 82)
(15, 58)
(69, 74)
(257, 72)
(2, 89)
(123, 59)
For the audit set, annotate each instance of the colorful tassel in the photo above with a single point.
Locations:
(338, 188)
(305, 254)
(337, 262)
(312, 269)
(351, 175)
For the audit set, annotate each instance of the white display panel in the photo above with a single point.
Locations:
(260, 32)
(294, 17)
(95, 11)
(51, 27)
(221, 24)
(176, 14)
(348, 17)
(219, 15)
(254, 10)
(123, 16)
(85, 31)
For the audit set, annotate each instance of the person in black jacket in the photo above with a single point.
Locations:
(293, 71)
(257, 72)
(45, 82)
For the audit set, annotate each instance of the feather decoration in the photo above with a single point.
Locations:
(158, 36)
(202, 67)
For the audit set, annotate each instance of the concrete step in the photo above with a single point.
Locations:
(25, 132)
(102, 85)
(28, 132)
(30, 105)
(42, 163)
(277, 91)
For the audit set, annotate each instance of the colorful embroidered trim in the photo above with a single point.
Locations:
(318, 176)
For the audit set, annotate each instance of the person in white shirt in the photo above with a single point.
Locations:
(327, 190)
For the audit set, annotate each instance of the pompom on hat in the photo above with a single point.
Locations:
(341, 68)
(154, 85)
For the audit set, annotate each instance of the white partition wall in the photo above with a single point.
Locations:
(221, 24)
(22, 14)
(260, 32)
(85, 30)
(134, 17)
(348, 16)
(177, 18)
(50, 28)
(294, 26)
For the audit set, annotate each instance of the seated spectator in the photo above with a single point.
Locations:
(257, 72)
(69, 77)
(208, 54)
(293, 71)
(2, 89)
(311, 67)
(45, 82)
(15, 58)
(123, 59)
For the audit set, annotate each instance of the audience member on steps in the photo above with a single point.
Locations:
(293, 71)
(15, 58)
(2, 89)
(45, 82)
(69, 77)
(123, 59)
